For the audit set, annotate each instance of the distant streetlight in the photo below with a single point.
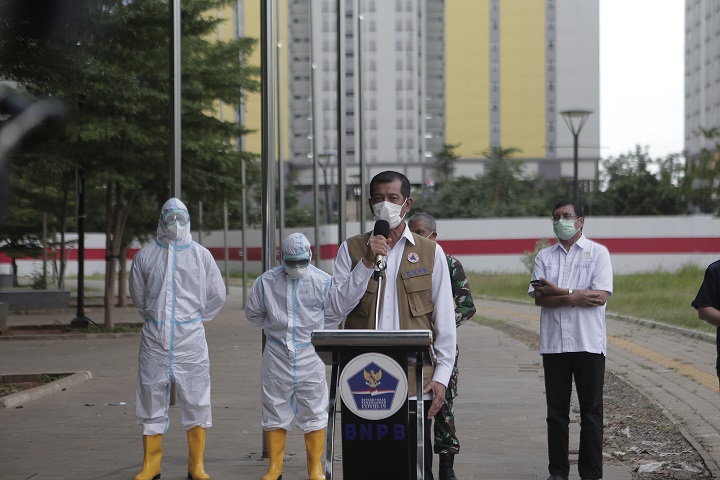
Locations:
(324, 162)
(357, 192)
(575, 120)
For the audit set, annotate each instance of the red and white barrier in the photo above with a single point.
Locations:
(636, 244)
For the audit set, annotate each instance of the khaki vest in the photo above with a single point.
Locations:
(414, 292)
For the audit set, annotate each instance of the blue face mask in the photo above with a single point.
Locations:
(565, 229)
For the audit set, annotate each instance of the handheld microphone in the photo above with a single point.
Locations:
(382, 227)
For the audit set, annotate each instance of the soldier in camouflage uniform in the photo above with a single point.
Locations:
(446, 442)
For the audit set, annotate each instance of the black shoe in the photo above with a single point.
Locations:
(557, 476)
(445, 469)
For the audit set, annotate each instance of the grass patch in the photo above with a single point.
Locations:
(660, 296)
(10, 388)
(119, 328)
(66, 330)
(30, 381)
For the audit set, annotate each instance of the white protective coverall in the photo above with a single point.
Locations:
(293, 376)
(176, 286)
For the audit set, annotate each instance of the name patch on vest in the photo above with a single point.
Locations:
(415, 273)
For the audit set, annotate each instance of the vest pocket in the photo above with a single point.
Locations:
(367, 302)
(419, 294)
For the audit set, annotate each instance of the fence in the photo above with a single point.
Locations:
(636, 244)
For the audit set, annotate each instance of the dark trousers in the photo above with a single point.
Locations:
(588, 370)
(428, 453)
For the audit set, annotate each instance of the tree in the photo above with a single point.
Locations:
(109, 62)
(445, 160)
(502, 191)
(632, 189)
(702, 176)
(295, 215)
(16, 237)
(502, 184)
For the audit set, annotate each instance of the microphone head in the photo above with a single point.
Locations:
(382, 227)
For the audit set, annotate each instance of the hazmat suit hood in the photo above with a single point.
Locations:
(174, 223)
(294, 248)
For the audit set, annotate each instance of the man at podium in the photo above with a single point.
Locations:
(415, 288)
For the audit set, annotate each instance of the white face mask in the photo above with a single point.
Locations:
(295, 273)
(389, 212)
(175, 230)
(296, 268)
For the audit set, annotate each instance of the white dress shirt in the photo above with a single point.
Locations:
(348, 287)
(573, 328)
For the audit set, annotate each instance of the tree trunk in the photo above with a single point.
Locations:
(109, 261)
(122, 278)
(116, 218)
(63, 245)
(16, 283)
(44, 248)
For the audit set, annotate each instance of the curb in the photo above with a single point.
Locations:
(69, 336)
(21, 398)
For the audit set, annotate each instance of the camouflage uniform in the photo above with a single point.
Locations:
(446, 440)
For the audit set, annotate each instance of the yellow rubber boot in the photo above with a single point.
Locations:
(152, 454)
(314, 444)
(276, 452)
(196, 447)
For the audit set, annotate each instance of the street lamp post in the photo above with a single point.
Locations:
(357, 191)
(575, 120)
(324, 162)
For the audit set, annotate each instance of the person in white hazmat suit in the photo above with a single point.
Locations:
(289, 302)
(176, 286)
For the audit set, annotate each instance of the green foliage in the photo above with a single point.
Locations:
(504, 191)
(109, 63)
(631, 184)
(52, 377)
(639, 295)
(295, 216)
(528, 258)
(702, 186)
(39, 281)
(444, 160)
(632, 189)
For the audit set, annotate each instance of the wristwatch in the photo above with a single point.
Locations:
(570, 291)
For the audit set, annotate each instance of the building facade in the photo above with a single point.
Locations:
(702, 72)
(423, 73)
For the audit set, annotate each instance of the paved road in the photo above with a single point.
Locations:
(81, 433)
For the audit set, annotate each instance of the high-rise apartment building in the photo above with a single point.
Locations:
(512, 67)
(702, 72)
(422, 73)
(394, 79)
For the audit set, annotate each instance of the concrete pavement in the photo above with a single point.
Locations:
(88, 431)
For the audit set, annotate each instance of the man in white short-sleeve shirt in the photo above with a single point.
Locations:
(575, 281)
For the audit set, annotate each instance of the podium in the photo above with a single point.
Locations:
(370, 370)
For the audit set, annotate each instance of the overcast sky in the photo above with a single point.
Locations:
(641, 76)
